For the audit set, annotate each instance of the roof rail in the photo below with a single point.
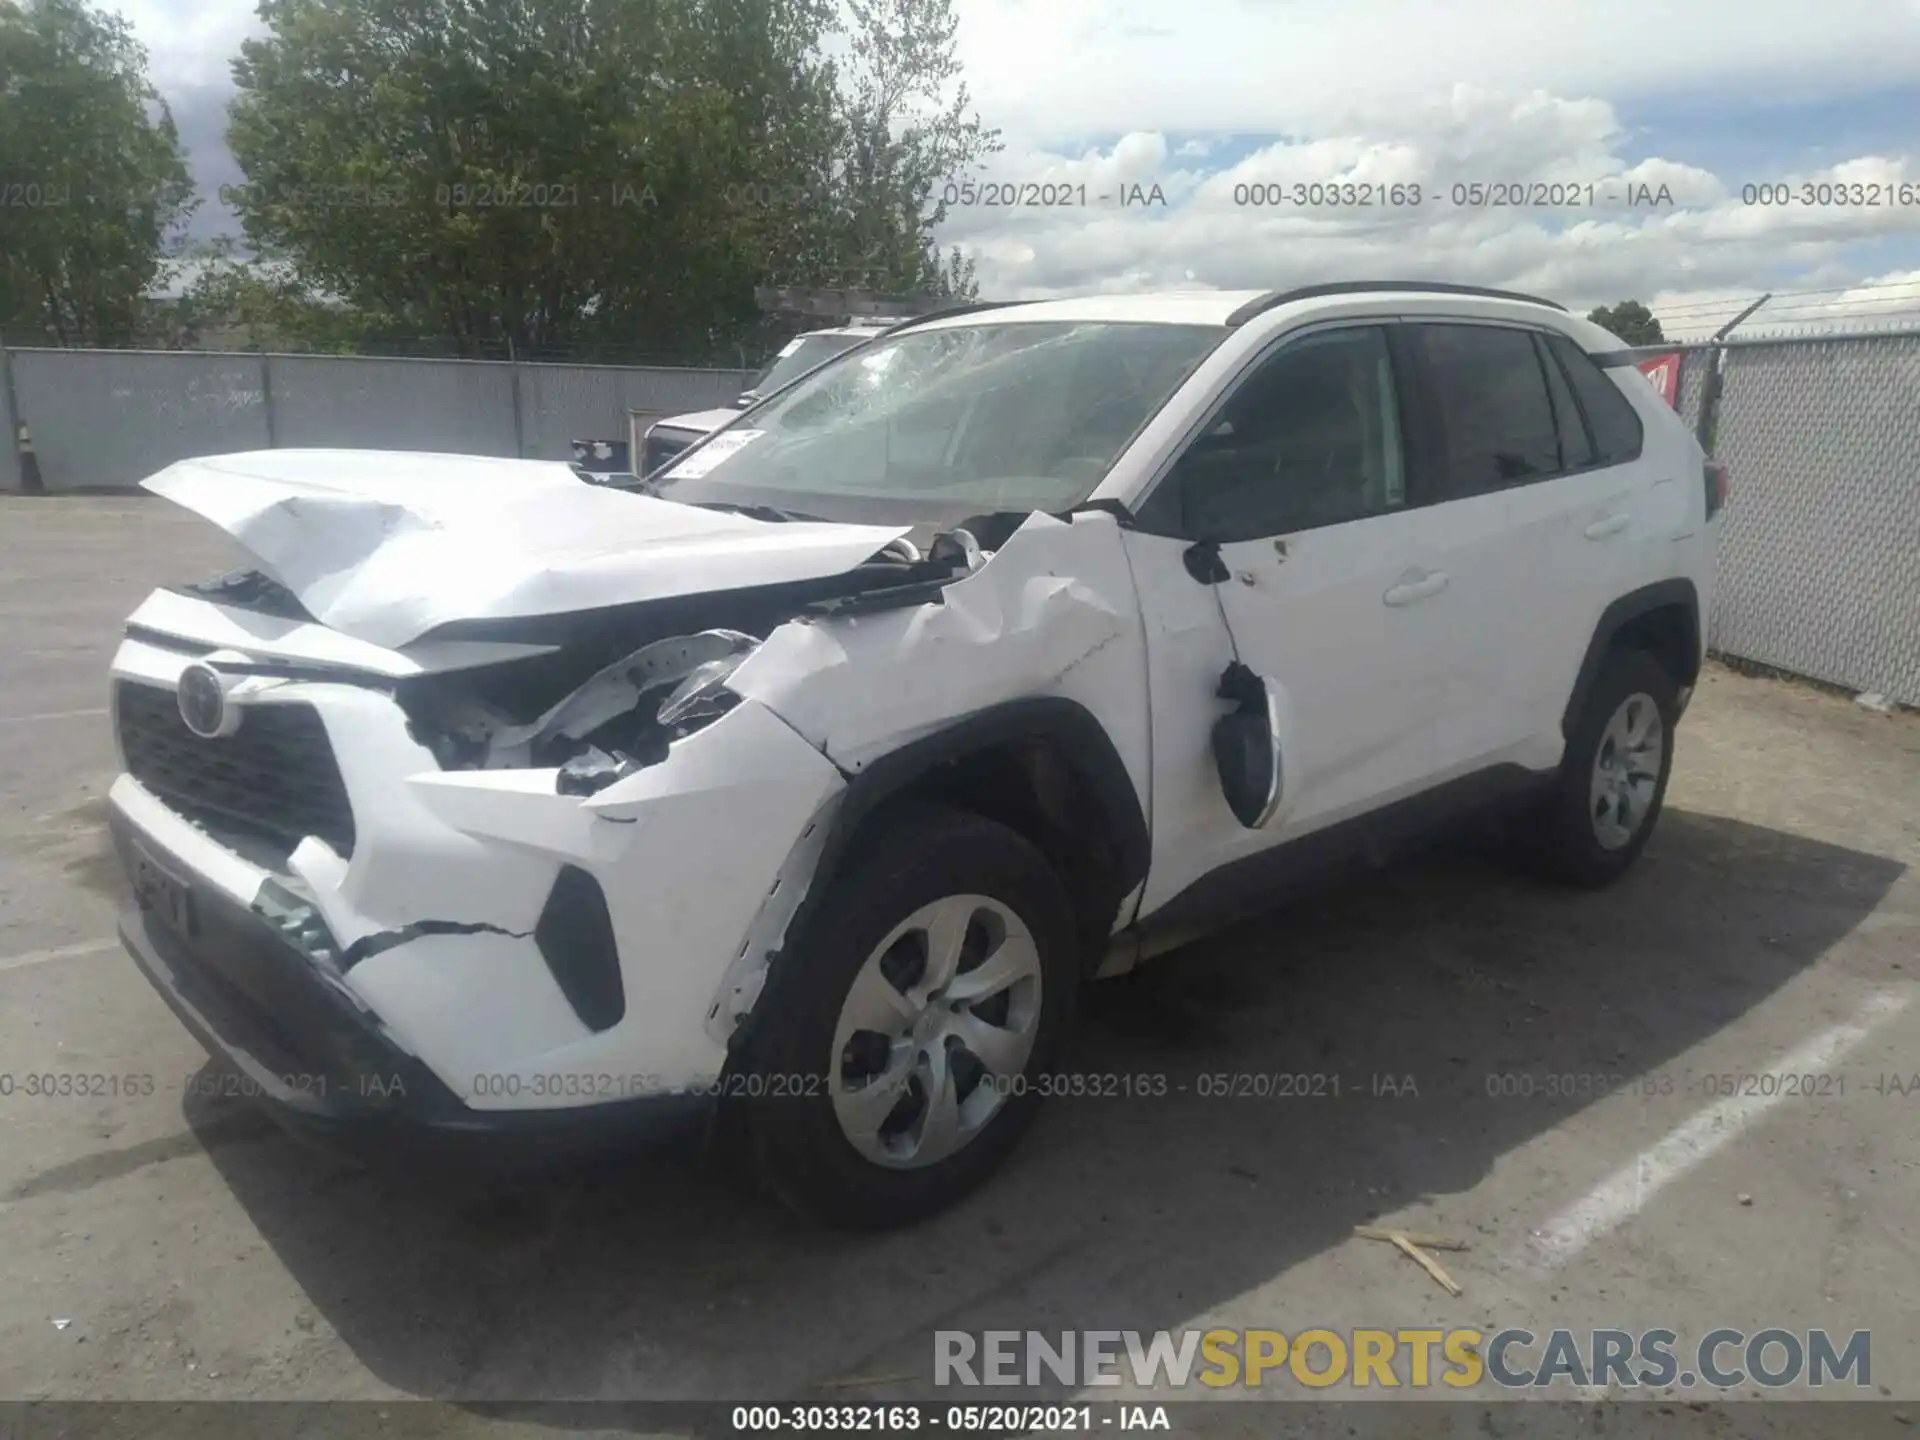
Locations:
(967, 308)
(1359, 287)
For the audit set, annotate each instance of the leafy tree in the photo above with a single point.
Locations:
(560, 174)
(1631, 321)
(228, 300)
(92, 181)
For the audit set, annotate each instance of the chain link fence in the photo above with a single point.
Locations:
(1819, 558)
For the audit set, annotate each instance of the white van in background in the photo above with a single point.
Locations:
(653, 445)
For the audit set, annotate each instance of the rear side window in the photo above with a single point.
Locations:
(1496, 420)
(1617, 432)
(1576, 446)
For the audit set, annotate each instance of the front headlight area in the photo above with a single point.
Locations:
(624, 718)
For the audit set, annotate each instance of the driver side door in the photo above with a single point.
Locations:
(1299, 483)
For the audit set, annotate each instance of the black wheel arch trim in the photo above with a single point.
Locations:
(1661, 595)
(1080, 740)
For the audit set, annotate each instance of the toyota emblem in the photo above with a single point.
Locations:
(203, 702)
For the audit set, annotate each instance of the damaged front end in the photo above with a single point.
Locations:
(507, 863)
(627, 714)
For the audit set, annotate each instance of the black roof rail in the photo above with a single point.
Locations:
(1360, 287)
(963, 309)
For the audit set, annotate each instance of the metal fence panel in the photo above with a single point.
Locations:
(1693, 374)
(1819, 567)
(563, 403)
(462, 407)
(110, 418)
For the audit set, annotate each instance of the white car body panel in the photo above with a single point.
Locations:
(385, 546)
(702, 420)
(1052, 612)
(207, 622)
(683, 859)
(1187, 648)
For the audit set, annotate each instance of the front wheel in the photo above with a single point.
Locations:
(934, 983)
(1613, 778)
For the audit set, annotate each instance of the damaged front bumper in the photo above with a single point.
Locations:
(471, 954)
(325, 1070)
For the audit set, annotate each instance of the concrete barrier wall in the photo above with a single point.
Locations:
(107, 419)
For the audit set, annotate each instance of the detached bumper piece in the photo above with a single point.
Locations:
(318, 1063)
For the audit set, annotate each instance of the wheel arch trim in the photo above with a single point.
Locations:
(1677, 593)
(1069, 726)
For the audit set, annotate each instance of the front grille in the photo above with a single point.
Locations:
(274, 777)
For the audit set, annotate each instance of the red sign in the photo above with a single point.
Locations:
(1663, 372)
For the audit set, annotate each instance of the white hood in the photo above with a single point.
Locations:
(386, 545)
(704, 421)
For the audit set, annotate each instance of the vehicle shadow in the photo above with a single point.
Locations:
(654, 1279)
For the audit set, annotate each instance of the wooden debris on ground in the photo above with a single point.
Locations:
(1414, 1246)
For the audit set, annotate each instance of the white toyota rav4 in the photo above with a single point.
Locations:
(804, 786)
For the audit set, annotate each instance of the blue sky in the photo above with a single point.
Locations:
(1700, 95)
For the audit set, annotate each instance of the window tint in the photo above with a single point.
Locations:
(1576, 446)
(1495, 420)
(1311, 438)
(1617, 432)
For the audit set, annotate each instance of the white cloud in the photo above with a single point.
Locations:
(1075, 67)
(190, 43)
(1611, 229)
(1108, 94)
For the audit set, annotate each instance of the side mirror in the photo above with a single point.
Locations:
(1246, 748)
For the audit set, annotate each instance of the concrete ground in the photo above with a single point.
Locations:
(175, 1246)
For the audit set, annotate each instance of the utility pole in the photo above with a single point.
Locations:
(19, 436)
(1711, 386)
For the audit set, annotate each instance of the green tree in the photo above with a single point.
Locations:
(559, 175)
(93, 185)
(1631, 321)
(230, 300)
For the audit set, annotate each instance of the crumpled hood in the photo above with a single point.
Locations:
(387, 545)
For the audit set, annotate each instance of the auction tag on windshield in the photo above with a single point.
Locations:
(714, 453)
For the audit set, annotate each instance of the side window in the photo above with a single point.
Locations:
(1311, 438)
(1617, 432)
(1576, 446)
(1496, 421)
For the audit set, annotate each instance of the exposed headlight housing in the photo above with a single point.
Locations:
(613, 746)
(701, 688)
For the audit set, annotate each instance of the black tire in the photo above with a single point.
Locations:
(915, 856)
(1563, 842)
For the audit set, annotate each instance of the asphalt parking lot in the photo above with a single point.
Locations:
(175, 1246)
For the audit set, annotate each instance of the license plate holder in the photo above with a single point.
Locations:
(163, 894)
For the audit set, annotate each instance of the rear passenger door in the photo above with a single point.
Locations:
(1535, 521)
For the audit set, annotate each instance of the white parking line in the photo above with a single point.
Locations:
(1623, 1193)
(51, 715)
(60, 952)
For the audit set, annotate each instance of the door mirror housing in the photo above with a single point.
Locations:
(1246, 747)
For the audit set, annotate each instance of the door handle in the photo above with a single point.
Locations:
(1411, 590)
(1612, 525)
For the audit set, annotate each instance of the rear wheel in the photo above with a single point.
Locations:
(935, 982)
(1613, 778)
